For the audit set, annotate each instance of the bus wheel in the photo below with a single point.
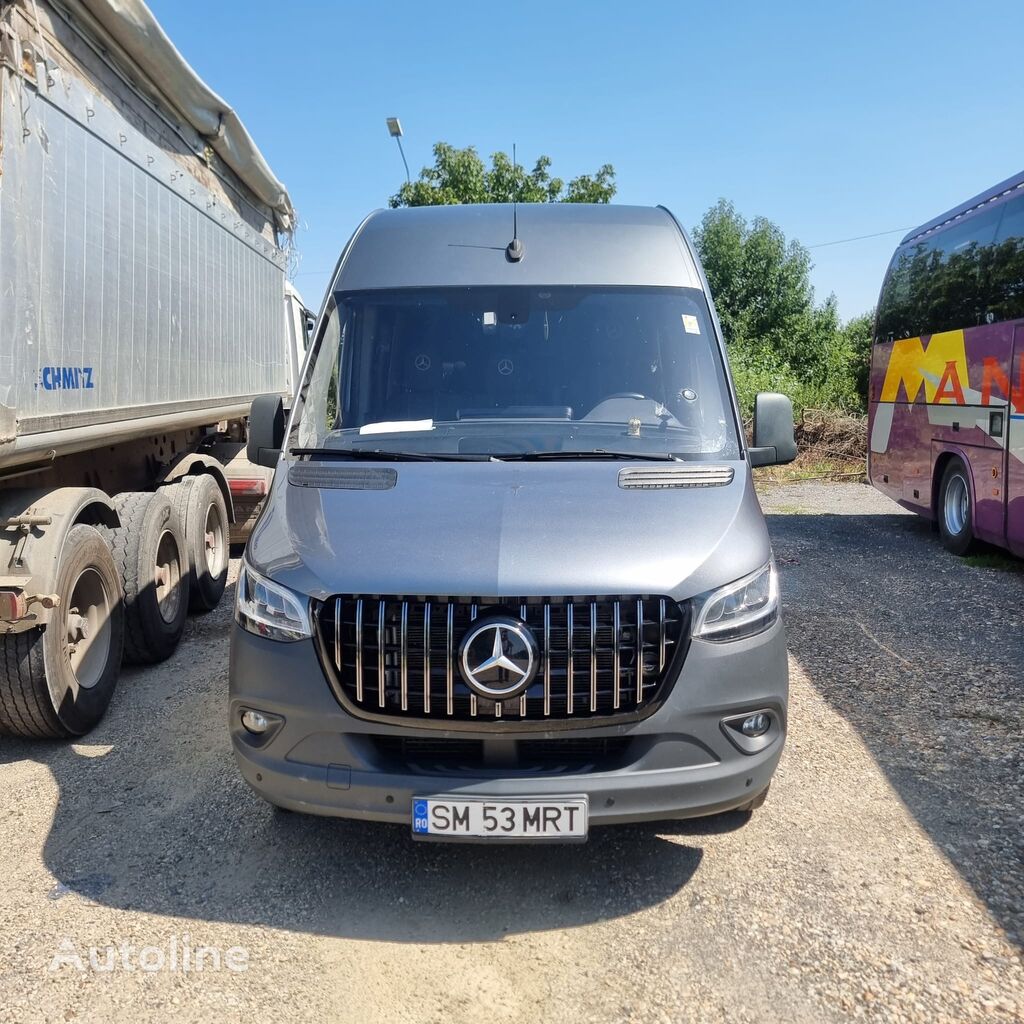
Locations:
(956, 516)
(57, 680)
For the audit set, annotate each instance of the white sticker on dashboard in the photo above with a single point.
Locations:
(396, 426)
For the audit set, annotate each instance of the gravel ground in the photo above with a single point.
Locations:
(883, 879)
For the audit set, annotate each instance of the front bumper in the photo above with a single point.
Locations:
(321, 760)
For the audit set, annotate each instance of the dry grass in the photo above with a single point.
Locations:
(832, 446)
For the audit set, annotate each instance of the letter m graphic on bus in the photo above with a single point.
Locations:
(938, 368)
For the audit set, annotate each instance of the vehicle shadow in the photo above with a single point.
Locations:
(921, 652)
(153, 816)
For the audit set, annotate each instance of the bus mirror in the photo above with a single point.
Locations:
(774, 440)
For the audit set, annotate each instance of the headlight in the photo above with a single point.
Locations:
(270, 610)
(741, 609)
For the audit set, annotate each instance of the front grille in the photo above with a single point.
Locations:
(398, 657)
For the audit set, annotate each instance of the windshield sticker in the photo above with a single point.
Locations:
(396, 426)
(690, 324)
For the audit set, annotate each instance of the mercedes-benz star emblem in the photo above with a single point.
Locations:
(498, 657)
(505, 367)
(422, 362)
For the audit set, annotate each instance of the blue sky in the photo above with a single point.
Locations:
(832, 119)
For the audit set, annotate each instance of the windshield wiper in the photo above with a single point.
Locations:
(384, 455)
(597, 453)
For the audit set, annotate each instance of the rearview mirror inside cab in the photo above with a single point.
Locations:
(774, 439)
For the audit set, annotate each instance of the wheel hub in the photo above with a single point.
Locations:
(87, 628)
(78, 626)
(956, 507)
(167, 577)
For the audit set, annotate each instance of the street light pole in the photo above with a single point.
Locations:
(395, 131)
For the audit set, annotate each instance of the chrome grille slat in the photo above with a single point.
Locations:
(593, 656)
(639, 651)
(547, 659)
(522, 700)
(616, 655)
(661, 635)
(570, 696)
(403, 668)
(472, 696)
(597, 656)
(381, 654)
(337, 631)
(359, 651)
(426, 658)
(449, 681)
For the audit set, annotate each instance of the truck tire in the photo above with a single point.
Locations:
(203, 514)
(57, 680)
(955, 509)
(149, 549)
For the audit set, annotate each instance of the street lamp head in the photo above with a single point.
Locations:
(394, 127)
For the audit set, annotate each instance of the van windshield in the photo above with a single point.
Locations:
(518, 370)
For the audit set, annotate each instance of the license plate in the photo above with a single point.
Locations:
(450, 817)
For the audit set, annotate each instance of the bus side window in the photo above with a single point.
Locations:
(1012, 223)
(962, 281)
(1007, 270)
(894, 302)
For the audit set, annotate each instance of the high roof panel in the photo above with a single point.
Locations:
(565, 244)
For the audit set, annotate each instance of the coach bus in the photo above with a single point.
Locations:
(946, 417)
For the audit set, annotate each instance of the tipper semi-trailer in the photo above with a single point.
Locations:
(143, 304)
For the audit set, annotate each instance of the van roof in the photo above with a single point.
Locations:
(565, 244)
(969, 206)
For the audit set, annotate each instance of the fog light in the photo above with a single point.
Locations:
(754, 725)
(255, 722)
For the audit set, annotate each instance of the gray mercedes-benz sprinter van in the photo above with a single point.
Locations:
(512, 579)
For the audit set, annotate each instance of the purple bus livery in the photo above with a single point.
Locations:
(946, 411)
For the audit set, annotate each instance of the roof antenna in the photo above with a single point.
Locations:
(515, 250)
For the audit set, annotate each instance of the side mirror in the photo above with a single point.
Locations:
(774, 440)
(266, 430)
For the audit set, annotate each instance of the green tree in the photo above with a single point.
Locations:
(779, 338)
(460, 176)
(761, 284)
(857, 335)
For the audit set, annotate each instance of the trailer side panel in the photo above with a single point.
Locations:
(129, 289)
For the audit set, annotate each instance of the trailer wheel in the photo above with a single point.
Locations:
(57, 680)
(956, 512)
(203, 514)
(149, 549)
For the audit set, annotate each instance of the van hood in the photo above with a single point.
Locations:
(495, 529)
